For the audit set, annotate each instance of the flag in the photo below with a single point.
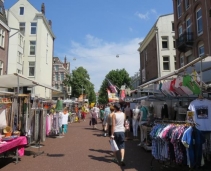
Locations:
(111, 87)
(112, 97)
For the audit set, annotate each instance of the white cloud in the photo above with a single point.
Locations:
(146, 16)
(143, 16)
(99, 57)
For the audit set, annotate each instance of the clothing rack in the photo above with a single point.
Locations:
(168, 163)
(173, 121)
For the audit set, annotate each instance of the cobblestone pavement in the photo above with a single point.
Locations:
(82, 149)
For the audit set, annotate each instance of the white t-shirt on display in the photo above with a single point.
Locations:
(202, 113)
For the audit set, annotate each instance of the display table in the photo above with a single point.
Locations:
(17, 144)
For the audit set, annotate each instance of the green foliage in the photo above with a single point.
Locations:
(118, 78)
(79, 80)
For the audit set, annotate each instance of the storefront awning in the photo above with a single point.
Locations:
(37, 83)
(12, 80)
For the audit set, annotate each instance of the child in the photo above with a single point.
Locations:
(64, 121)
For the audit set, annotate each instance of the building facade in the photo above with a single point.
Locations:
(37, 57)
(157, 50)
(4, 40)
(193, 32)
(60, 70)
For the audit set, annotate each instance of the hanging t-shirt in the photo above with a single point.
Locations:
(202, 113)
(191, 84)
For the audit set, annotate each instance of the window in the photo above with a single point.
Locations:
(56, 77)
(56, 67)
(188, 29)
(179, 8)
(175, 62)
(187, 4)
(1, 67)
(20, 40)
(2, 37)
(166, 63)
(56, 86)
(61, 87)
(22, 28)
(172, 26)
(180, 31)
(201, 50)
(21, 10)
(62, 76)
(33, 28)
(46, 57)
(164, 42)
(19, 58)
(32, 47)
(31, 69)
(182, 61)
(199, 21)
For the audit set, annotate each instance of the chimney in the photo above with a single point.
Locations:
(43, 8)
(65, 63)
(50, 23)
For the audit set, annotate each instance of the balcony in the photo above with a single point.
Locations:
(185, 42)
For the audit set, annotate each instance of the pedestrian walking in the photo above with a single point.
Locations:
(118, 132)
(105, 123)
(109, 120)
(94, 117)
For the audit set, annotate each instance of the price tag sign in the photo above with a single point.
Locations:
(190, 116)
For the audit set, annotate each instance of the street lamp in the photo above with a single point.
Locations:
(83, 93)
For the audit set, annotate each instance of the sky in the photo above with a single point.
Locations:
(94, 32)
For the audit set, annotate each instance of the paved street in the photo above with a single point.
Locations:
(82, 149)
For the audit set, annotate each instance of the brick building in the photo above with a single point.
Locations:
(192, 29)
(192, 20)
(157, 50)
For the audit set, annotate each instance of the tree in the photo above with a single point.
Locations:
(118, 78)
(80, 83)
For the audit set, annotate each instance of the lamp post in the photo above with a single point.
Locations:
(82, 94)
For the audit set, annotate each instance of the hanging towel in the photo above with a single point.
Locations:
(3, 121)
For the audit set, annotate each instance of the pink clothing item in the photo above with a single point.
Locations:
(122, 95)
(19, 142)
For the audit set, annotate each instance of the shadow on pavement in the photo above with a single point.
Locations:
(55, 155)
(104, 159)
(102, 151)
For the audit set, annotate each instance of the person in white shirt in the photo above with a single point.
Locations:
(64, 121)
(118, 132)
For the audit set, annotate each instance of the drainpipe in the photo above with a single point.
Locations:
(158, 51)
(207, 26)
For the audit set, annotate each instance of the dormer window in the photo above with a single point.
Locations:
(21, 10)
